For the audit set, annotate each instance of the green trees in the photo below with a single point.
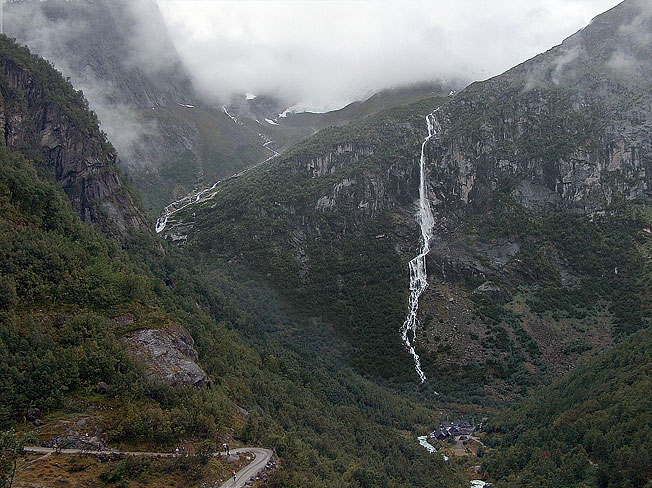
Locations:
(11, 446)
(595, 426)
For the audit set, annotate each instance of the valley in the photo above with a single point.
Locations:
(435, 286)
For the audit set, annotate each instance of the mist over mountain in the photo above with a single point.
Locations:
(437, 284)
(117, 52)
(120, 55)
(323, 55)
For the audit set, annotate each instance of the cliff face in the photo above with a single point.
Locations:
(119, 53)
(569, 127)
(539, 183)
(44, 118)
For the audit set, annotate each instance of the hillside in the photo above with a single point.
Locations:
(113, 344)
(118, 53)
(270, 312)
(538, 180)
(589, 429)
(315, 219)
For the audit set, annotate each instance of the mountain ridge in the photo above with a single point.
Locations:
(512, 172)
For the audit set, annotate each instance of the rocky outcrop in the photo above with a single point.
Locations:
(568, 128)
(48, 121)
(118, 52)
(168, 355)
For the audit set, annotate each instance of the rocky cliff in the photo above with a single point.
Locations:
(540, 185)
(569, 127)
(167, 139)
(538, 180)
(46, 119)
(168, 355)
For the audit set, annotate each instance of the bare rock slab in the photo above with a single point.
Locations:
(169, 355)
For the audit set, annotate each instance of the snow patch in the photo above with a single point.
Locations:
(250, 96)
(270, 122)
(186, 105)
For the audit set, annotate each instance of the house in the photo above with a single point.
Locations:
(453, 429)
(440, 434)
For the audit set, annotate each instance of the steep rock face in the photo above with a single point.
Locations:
(570, 127)
(538, 181)
(121, 43)
(169, 355)
(47, 120)
(119, 53)
(565, 133)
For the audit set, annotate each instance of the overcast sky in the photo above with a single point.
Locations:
(324, 54)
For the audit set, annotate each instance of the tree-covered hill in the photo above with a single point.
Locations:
(539, 184)
(593, 428)
(71, 293)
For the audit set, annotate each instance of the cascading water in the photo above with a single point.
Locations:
(418, 275)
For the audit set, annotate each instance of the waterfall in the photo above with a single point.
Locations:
(418, 275)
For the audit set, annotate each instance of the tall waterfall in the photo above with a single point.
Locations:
(418, 275)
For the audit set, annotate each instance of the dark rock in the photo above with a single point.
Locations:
(126, 319)
(102, 388)
(73, 149)
(33, 414)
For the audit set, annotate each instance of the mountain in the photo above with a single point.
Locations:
(287, 127)
(118, 53)
(538, 181)
(107, 342)
(273, 316)
(44, 118)
(315, 222)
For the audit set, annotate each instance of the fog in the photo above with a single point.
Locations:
(118, 53)
(324, 54)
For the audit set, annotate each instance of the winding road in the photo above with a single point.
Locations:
(262, 457)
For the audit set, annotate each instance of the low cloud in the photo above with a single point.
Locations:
(327, 53)
(94, 44)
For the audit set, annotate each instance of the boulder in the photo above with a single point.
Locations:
(489, 289)
(168, 355)
(102, 388)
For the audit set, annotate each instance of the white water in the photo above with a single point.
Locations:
(418, 274)
(199, 196)
(423, 440)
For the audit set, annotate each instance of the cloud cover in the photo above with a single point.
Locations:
(324, 54)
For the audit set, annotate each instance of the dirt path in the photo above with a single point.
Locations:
(262, 457)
